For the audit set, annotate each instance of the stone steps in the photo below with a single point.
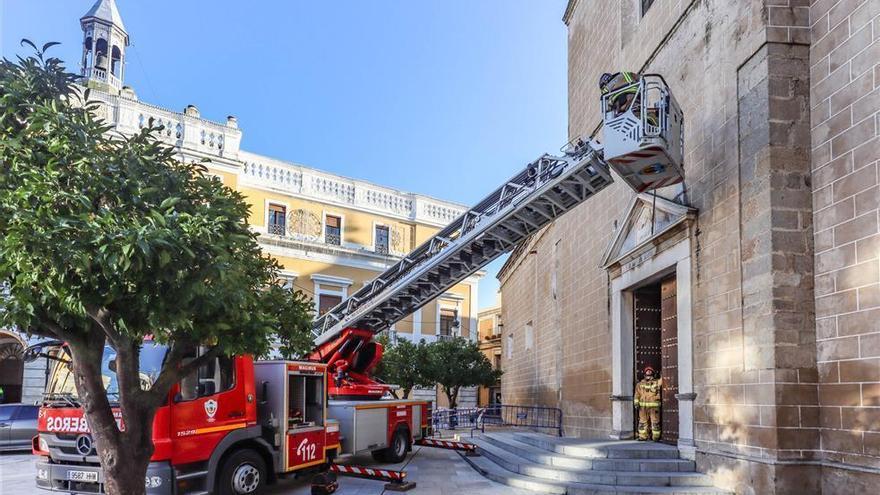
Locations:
(519, 465)
(551, 458)
(546, 464)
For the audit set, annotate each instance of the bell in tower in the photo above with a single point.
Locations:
(104, 43)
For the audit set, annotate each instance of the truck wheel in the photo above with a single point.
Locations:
(396, 452)
(242, 473)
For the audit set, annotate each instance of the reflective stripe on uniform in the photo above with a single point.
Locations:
(649, 404)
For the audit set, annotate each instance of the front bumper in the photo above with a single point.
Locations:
(56, 477)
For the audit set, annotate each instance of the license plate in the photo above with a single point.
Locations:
(89, 476)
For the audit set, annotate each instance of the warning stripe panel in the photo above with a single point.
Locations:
(368, 472)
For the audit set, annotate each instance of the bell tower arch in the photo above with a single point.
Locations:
(104, 44)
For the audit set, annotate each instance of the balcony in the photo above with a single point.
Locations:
(101, 75)
(332, 238)
(276, 229)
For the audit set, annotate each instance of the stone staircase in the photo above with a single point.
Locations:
(548, 464)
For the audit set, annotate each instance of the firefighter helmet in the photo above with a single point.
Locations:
(648, 369)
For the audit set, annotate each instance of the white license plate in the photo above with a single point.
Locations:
(89, 476)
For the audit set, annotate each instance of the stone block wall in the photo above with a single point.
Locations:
(781, 147)
(845, 100)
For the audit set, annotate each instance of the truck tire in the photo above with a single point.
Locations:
(243, 473)
(396, 452)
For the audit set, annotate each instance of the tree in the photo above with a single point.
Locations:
(404, 364)
(294, 314)
(106, 240)
(457, 363)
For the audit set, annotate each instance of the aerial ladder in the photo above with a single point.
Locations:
(642, 143)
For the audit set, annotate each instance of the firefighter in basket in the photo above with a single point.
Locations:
(625, 94)
(647, 401)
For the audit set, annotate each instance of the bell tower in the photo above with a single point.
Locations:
(104, 44)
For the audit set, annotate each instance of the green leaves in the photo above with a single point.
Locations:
(404, 363)
(91, 222)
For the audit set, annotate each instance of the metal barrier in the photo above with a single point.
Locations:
(499, 415)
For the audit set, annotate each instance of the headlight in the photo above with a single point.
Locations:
(44, 445)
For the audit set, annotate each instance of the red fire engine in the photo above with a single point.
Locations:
(230, 429)
(235, 425)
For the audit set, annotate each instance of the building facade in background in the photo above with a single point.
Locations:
(330, 234)
(491, 331)
(755, 288)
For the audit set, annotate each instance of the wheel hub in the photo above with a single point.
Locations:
(246, 479)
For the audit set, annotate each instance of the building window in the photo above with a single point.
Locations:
(382, 239)
(326, 302)
(530, 336)
(333, 230)
(509, 346)
(646, 4)
(497, 361)
(448, 322)
(277, 215)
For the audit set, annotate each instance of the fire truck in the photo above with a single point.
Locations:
(238, 424)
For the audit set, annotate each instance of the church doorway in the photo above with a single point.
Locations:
(655, 335)
(11, 368)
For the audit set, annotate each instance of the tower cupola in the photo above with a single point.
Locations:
(104, 43)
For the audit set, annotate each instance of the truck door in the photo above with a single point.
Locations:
(305, 418)
(208, 405)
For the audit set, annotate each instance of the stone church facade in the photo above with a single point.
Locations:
(756, 285)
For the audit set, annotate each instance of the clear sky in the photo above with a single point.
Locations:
(441, 97)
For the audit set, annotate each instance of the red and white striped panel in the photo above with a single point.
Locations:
(385, 474)
(446, 444)
(637, 155)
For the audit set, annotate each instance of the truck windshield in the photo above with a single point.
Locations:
(61, 379)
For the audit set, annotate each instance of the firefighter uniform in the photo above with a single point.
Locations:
(622, 98)
(647, 399)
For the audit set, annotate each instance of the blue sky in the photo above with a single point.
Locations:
(445, 98)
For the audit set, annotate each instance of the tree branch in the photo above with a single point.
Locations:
(172, 373)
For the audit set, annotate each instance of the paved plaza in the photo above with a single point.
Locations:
(435, 471)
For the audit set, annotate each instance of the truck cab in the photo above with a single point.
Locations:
(231, 427)
(211, 436)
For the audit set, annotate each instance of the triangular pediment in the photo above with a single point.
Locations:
(647, 218)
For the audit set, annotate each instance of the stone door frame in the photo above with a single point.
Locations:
(673, 260)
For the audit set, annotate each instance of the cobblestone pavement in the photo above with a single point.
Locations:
(435, 471)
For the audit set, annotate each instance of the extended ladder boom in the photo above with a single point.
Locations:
(544, 190)
(643, 144)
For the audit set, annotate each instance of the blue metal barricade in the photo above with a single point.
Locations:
(499, 415)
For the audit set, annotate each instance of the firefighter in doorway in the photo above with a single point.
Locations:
(647, 401)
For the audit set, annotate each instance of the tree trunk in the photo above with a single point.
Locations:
(126, 454)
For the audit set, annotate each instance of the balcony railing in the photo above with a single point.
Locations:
(99, 74)
(332, 238)
(276, 229)
(382, 248)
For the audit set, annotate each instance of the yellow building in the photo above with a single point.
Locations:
(491, 329)
(330, 233)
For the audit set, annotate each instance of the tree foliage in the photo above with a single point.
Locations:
(403, 363)
(106, 238)
(457, 363)
(294, 311)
